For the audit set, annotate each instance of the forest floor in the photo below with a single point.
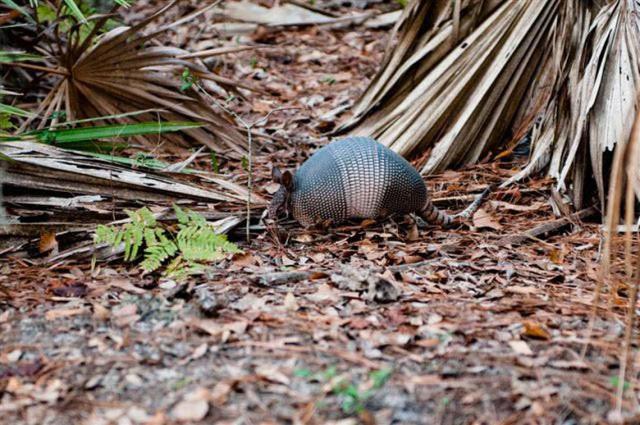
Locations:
(373, 322)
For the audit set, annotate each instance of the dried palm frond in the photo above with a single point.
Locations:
(469, 73)
(465, 75)
(125, 70)
(623, 189)
(604, 98)
(36, 166)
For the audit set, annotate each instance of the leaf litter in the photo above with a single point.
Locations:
(473, 327)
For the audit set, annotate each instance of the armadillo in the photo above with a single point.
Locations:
(357, 177)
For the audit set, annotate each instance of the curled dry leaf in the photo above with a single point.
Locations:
(535, 330)
(48, 243)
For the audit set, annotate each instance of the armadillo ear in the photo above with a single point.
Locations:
(276, 175)
(287, 180)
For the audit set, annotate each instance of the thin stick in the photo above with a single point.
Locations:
(249, 128)
(59, 71)
(632, 155)
(550, 226)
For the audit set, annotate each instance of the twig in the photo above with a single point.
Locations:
(248, 127)
(550, 226)
(472, 196)
(280, 278)
(59, 71)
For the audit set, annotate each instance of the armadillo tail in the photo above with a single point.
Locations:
(432, 214)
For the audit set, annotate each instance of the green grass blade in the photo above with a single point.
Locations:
(12, 110)
(108, 117)
(75, 10)
(62, 136)
(13, 5)
(95, 146)
(151, 163)
(11, 57)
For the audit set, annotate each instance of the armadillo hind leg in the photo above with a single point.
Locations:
(432, 214)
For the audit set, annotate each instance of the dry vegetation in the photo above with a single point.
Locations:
(368, 322)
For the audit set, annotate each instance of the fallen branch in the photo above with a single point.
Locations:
(281, 278)
(548, 227)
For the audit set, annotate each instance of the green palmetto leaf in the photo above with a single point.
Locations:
(11, 57)
(74, 135)
(114, 73)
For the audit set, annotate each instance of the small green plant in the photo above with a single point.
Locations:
(615, 383)
(353, 395)
(329, 79)
(244, 162)
(186, 250)
(215, 164)
(187, 80)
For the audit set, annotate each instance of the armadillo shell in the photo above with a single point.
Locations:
(355, 177)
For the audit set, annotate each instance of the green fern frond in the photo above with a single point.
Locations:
(105, 234)
(195, 243)
(181, 216)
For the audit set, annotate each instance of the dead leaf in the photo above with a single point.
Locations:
(211, 327)
(383, 338)
(100, 312)
(513, 207)
(556, 256)
(535, 330)
(249, 302)
(413, 234)
(303, 238)
(244, 260)
(126, 285)
(73, 289)
(48, 243)
(286, 261)
(272, 373)
(482, 219)
(367, 247)
(64, 312)
(367, 222)
(189, 410)
(272, 188)
(411, 259)
(290, 302)
(125, 315)
(324, 294)
(521, 347)
(433, 379)
(428, 343)
(522, 290)
(220, 392)
(318, 258)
